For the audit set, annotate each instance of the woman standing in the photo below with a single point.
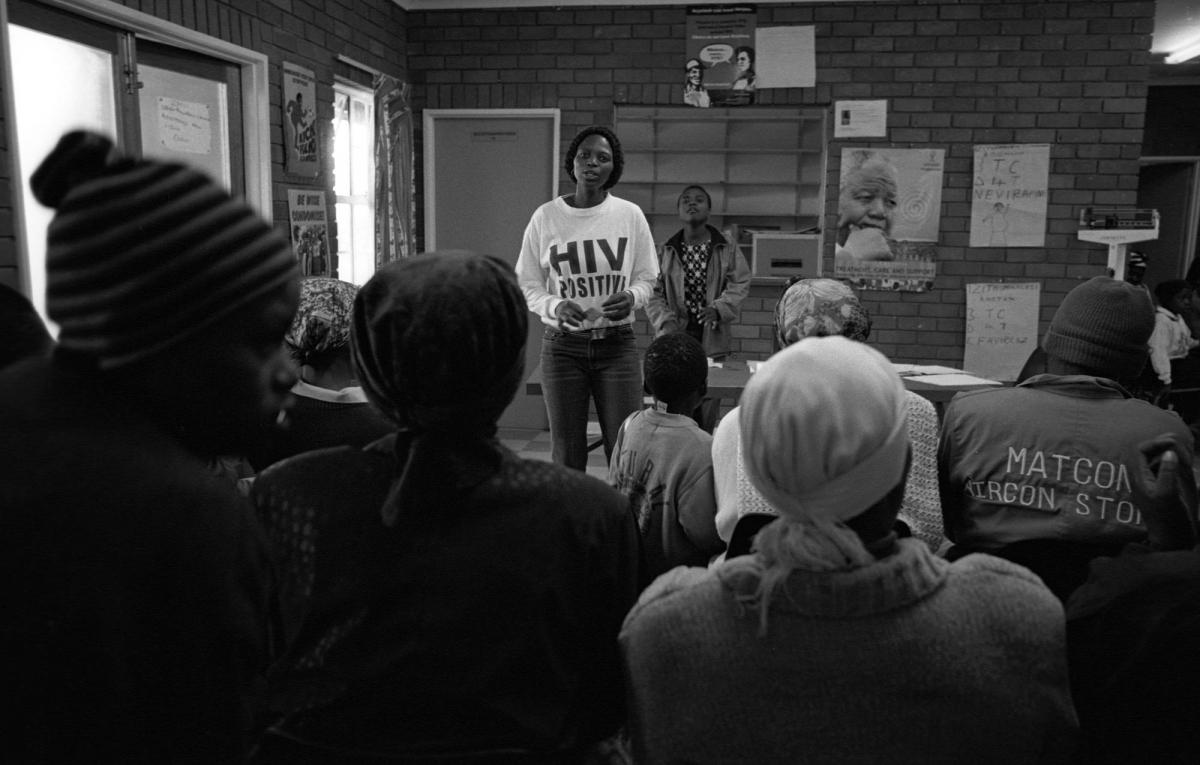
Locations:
(587, 261)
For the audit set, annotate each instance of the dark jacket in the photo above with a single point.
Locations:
(728, 281)
(134, 583)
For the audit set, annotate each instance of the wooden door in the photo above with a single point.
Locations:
(486, 170)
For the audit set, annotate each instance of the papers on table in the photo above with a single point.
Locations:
(906, 370)
(944, 376)
(958, 379)
(752, 365)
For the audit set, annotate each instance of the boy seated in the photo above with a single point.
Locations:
(662, 460)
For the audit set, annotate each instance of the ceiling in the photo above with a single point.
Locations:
(1176, 22)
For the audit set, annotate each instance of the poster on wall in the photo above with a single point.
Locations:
(1001, 329)
(719, 70)
(1008, 200)
(309, 225)
(889, 213)
(299, 120)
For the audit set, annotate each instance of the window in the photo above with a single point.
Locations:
(77, 64)
(354, 181)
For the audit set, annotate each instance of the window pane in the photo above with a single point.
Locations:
(354, 182)
(364, 242)
(84, 97)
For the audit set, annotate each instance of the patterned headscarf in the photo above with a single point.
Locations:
(820, 308)
(322, 323)
(438, 341)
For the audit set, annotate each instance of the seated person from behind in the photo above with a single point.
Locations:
(819, 308)
(1172, 347)
(662, 460)
(1039, 473)
(25, 334)
(441, 595)
(329, 408)
(1133, 631)
(780, 656)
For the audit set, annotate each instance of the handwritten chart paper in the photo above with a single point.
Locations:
(1008, 201)
(184, 126)
(1002, 326)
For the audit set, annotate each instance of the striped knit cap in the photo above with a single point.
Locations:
(142, 254)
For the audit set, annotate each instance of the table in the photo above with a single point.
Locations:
(728, 381)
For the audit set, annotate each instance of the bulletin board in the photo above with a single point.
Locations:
(1001, 329)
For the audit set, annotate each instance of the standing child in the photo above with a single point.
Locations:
(1172, 347)
(662, 460)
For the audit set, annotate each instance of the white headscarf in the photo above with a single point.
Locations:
(824, 439)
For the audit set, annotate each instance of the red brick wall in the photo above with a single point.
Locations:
(310, 33)
(955, 74)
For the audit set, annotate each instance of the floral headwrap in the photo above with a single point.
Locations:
(820, 308)
(322, 323)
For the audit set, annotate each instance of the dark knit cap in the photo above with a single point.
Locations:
(1103, 326)
(142, 254)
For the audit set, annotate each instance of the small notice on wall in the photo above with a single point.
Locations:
(1002, 325)
(310, 231)
(184, 126)
(860, 119)
(1008, 202)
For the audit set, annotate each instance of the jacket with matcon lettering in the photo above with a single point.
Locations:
(1051, 458)
(727, 281)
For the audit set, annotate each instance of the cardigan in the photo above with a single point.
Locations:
(909, 659)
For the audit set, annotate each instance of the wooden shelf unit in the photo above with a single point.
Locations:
(763, 166)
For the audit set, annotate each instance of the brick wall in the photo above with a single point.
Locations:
(955, 74)
(310, 33)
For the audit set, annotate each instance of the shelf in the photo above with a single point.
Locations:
(641, 150)
(758, 164)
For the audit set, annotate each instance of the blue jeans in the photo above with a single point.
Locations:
(576, 368)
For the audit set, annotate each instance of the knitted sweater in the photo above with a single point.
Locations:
(490, 623)
(911, 659)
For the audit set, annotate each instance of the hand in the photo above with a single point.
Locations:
(1166, 506)
(569, 315)
(618, 306)
(711, 316)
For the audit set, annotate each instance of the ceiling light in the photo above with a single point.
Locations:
(1186, 53)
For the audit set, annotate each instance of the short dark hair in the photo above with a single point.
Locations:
(698, 187)
(675, 366)
(1167, 291)
(24, 334)
(608, 135)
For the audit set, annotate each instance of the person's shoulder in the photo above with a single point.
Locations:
(674, 589)
(325, 470)
(550, 484)
(1009, 582)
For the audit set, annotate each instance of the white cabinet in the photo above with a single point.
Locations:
(763, 166)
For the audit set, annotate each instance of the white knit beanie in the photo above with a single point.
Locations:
(823, 429)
